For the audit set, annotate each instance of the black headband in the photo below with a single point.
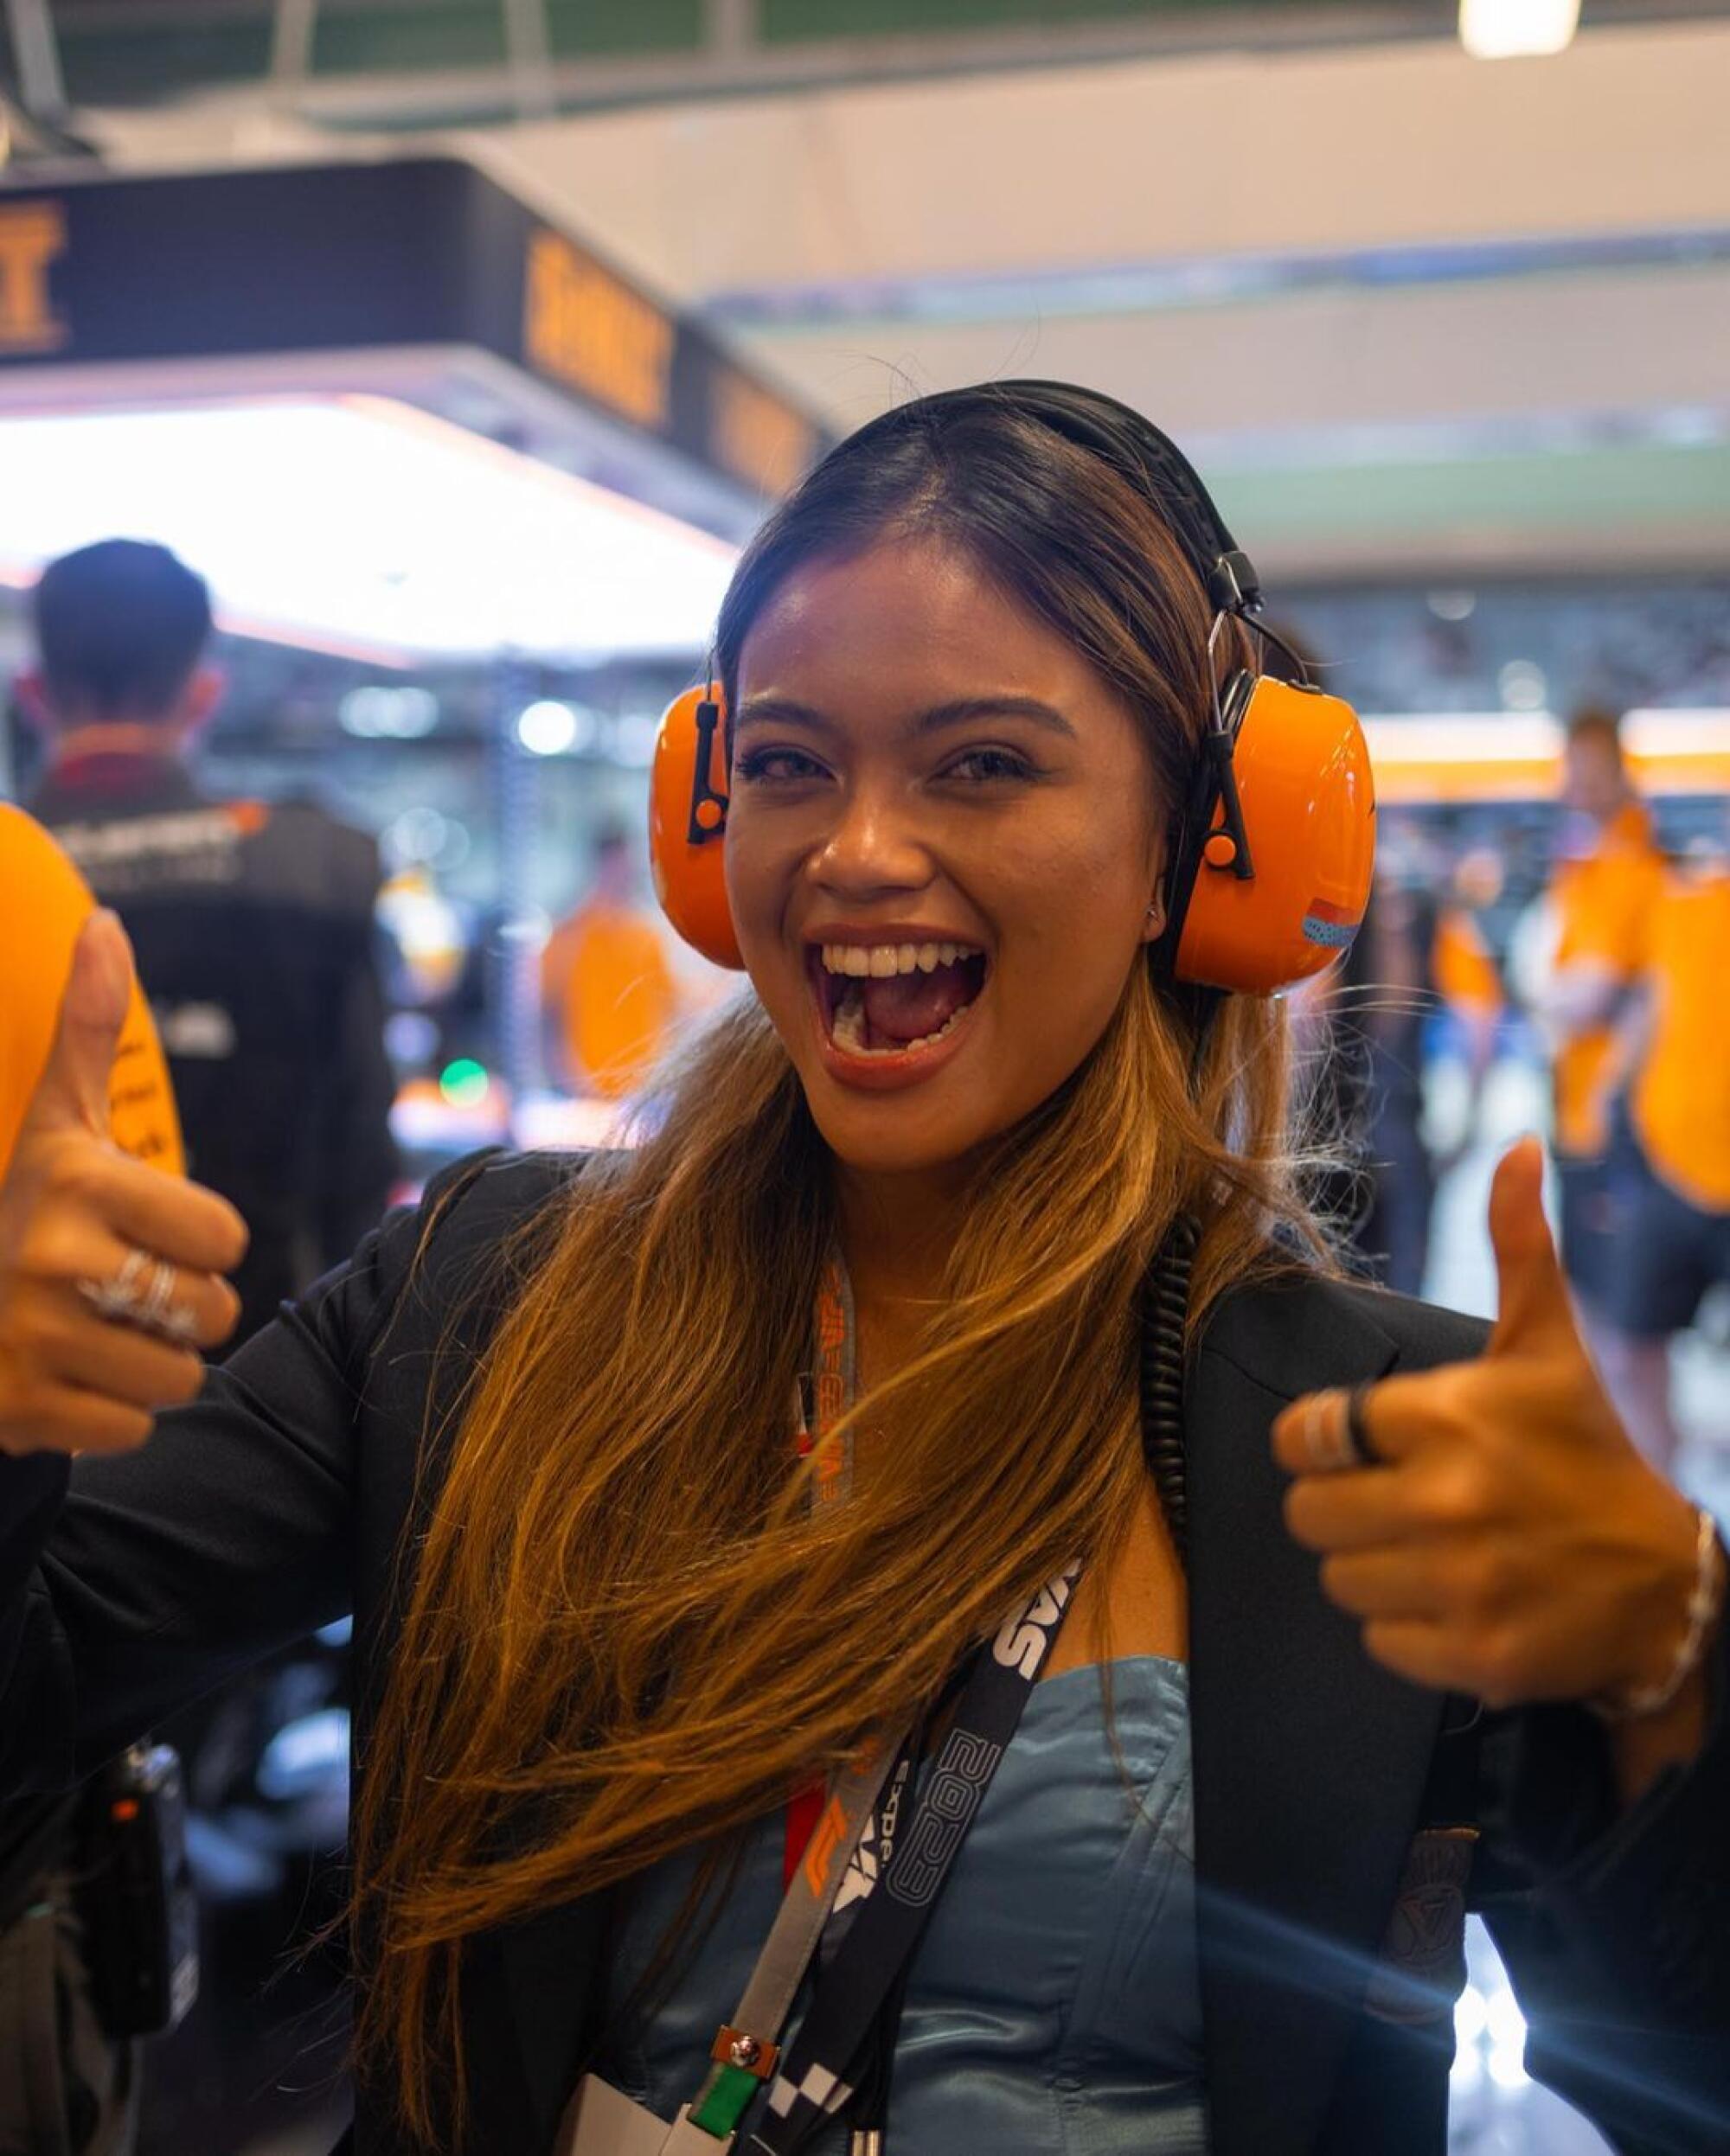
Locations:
(1132, 445)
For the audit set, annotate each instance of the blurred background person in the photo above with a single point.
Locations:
(1672, 1167)
(1597, 920)
(607, 989)
(1417, 964)
(1367, 1030)
(68, 2083)
(252, 924)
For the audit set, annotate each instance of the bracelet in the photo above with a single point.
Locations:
(1704, 1604)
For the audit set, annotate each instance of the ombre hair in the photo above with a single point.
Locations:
(628, 1633)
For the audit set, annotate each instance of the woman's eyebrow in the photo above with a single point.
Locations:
(966, 710)
(961, 711)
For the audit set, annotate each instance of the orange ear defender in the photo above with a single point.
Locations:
(687, 820)
(1274, 862)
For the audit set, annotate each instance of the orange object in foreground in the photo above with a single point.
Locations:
(43, 904)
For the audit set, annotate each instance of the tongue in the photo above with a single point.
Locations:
(909, 1006)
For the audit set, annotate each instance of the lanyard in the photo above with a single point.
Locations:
(865, 1830)
(892, 1908)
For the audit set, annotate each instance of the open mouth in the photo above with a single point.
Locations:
(894, 999)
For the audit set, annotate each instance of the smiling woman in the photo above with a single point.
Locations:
(957, 786)
(715, 1514)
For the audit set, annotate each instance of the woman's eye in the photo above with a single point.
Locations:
(979, 766)
(777, 767)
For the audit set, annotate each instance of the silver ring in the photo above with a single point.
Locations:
(118, 1298)
(160, 1313)
(131, 1298)
(1327, 1434)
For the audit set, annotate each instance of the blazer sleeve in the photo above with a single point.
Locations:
(130, 1585)
(1615, 1926)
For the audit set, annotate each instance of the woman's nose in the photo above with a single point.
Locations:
(873, 845)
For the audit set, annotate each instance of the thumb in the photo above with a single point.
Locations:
(73, 1089)
(1532, 1298)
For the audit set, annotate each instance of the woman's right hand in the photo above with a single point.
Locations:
(78, 1217)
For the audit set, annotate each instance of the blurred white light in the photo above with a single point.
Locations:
(418, 834)
(1509, 30)
(1505, 2022)
(1507, 2068)
(1452, 605)
(534, 926)
(394, 714)
(304, 1753)
(1467, 2070)
(546, 728)
(1522, 685)
(1472, 2015)
(361, 525)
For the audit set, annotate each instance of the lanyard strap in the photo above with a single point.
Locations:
(745, 2051)
(826, 1823)
(810, 2082)
(841, 1841)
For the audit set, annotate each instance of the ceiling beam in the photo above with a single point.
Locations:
(35, 54)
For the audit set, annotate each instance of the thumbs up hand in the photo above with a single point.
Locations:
(109, 1270)
(1503, 1538)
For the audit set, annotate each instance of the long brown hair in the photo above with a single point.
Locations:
(627, 1632)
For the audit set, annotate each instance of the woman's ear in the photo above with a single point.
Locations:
(1153, 926)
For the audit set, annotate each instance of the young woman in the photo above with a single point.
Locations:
(948, 1161)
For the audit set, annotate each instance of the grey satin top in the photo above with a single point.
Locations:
(1052, 2007)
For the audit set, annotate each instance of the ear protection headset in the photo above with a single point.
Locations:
(1274, 848)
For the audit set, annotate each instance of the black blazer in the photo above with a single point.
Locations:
(278, 1501)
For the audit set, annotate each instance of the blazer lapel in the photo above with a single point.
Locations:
(1309, 1760)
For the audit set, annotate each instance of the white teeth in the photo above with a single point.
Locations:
(881, 962)
(846, 1028)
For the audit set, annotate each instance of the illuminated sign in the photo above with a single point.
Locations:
(32, 236)
(758, 437)
(586, 329)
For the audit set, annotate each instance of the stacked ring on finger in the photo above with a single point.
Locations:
(131, 1298)
(1335, 1435)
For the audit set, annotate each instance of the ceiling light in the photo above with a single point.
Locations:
(1509, 30)
(546, 728)
(358, 524)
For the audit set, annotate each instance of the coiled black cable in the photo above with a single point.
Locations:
(1165, 1307)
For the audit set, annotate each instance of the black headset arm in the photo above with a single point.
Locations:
(703, 796)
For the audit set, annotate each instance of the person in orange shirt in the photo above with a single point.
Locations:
(39, 886)
(1601, 898)
(1675, 1170)
(606, 985)
(83, 2081)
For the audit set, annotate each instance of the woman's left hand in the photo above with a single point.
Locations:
(1508, 1542)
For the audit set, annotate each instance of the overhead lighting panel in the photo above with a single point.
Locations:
(1513, 29)
(361, 524)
